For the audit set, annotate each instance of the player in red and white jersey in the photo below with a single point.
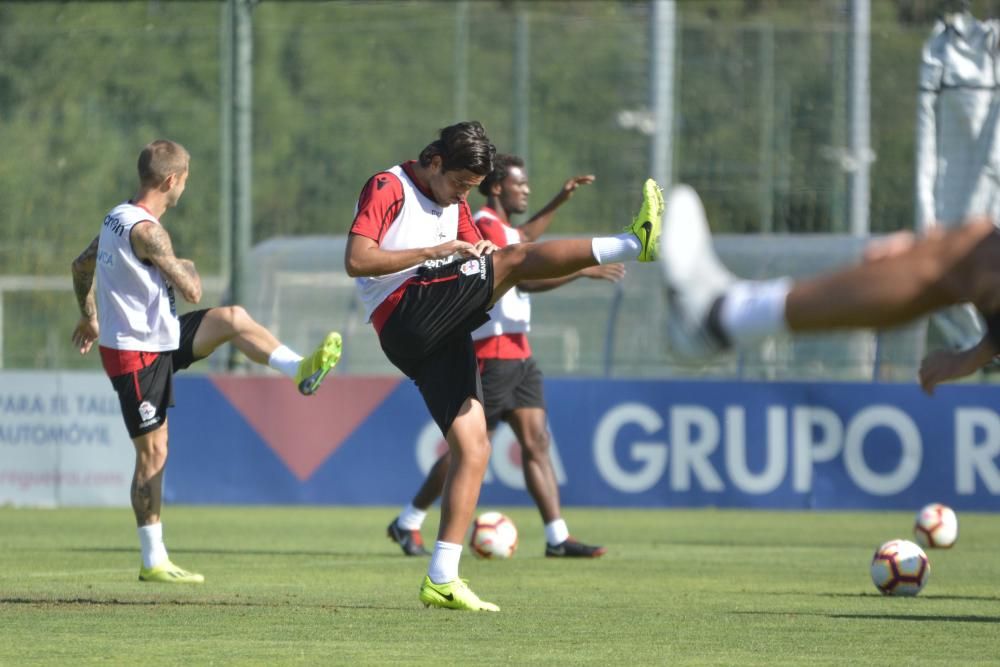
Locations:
(130, 311)
(512, 382)
(435, 281)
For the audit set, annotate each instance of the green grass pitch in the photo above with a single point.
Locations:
(322, 585)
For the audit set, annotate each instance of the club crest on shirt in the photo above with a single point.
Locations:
(470, 268)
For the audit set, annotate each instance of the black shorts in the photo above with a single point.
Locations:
(509, 384)
(428, 334)
(145, 394)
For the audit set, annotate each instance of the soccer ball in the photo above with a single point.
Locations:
(900, 567)
(936, 526)
(494, 535)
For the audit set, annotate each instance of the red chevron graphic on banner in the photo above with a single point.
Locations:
(304, 430)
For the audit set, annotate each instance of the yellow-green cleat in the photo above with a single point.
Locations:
(313, 369)
(453, 595)
(647, 222)
(168, 573)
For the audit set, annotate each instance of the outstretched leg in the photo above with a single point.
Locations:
(234, 324)
(554, 259)
(710, 309)
(942, 269)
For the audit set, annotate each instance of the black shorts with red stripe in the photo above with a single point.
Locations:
(427, 333)
(144, 380)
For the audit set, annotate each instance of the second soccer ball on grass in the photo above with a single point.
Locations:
(494, 535)
(936, 526)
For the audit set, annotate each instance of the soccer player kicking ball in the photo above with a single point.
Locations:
(512, 382)
(903, 278)
(143, 342)
(427, 280)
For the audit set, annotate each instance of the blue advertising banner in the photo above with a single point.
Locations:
(635, 443)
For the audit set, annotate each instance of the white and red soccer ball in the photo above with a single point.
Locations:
(900, 567)
(494, 535)
(936, 527)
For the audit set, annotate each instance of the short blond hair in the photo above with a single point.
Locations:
(160, 159)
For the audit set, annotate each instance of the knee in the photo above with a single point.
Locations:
(151, 458)
(236, 318)
(514, 254)
(536, 445)
(475, 451)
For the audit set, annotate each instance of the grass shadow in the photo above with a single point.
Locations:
(923, 596)
(117, 602)
(949, 618)
(244, 552)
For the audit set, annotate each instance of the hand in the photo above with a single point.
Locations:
(464, 249)
(485, 247)
(943, 365)
(610, 272)
(570, 186)
(85, 333)
(889, 246)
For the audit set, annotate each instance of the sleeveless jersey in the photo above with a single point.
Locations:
(419, 223)
(512, 313)
(135, 305)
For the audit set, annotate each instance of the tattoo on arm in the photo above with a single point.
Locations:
(151, 242)
(83, 279)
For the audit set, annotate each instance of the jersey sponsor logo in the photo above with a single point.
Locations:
(106, 258)
(114, 225)
(380, 182)
(172, 300)
(471, 267)
(438, 263)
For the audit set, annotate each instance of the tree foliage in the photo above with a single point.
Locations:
(343, 89)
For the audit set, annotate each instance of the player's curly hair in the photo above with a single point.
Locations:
(462, 146)
(501, 167)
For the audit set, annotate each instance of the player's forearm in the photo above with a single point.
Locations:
(539, 222)
(378, 262)
(83, 286)
(183, 275)
(83, 268)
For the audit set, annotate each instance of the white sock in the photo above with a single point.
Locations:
(411, 518)
(556, 532)
(285, 360)
(444, 562)
(753, 310)
(151, 542)
(611, 249)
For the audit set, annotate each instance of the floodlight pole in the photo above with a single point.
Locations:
(663, 28)
(521, 83)
(860, 110)
(461, 61)
(242, 152)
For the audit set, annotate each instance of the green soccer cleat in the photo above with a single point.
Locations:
(313, 369)
(453, 595)
(647, 222)
(168, 573)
